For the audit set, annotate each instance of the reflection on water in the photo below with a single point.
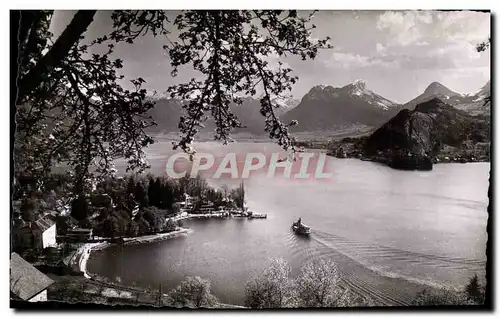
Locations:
(375, 222)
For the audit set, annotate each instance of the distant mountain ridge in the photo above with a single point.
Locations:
(473, 104)
(285, 104)
(432, 132)
(167, 113)
(325, 107)
(483, 93)
(426, 128)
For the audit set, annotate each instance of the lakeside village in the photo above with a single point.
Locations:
(53, 234)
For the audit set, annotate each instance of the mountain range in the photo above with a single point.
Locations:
(427, 128)
(167, 112)
(327, 108)
(434, 131)
(473, 104)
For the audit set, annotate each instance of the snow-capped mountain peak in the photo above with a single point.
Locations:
(286, 102)
(324, 107)
(359, 84)
(356, 90)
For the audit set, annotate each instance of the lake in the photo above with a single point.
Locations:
(391, 232)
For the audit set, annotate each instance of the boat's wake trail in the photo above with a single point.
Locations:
(393, 254)
(353, 274)
(300, 246)
(355, 261)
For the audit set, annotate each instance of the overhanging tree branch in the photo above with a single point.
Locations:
(70, 36)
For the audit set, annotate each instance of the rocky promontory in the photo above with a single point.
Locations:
(415, 139)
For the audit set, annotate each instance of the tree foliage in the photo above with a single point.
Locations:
(318, 284)
(193, 292)
(472, 294)
(170, 225)
(481, 47)
(80, 208)
(229, 49)
(474, 290)
(238, 196)
(272, 288)
(72, 109)
(440, 297)
(29, 209)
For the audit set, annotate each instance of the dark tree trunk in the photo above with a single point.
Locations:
(70, 36)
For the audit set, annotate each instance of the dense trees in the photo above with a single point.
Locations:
(141, 204)
(161, 194)
(239, 196)
(473, 294)
(140, 195)
(170, 225)
(121, 206)
(80, 208)
(441, 297)
(28, 209)
(133, 212)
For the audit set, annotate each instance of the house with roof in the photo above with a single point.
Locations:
(47, 225)
(26, 282)
(36, 235)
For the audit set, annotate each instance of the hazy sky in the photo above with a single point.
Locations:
(398, 54)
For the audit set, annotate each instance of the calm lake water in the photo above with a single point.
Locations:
(389, 231)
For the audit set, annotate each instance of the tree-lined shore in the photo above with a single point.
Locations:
(129, 206)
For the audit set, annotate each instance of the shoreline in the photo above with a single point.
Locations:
(82, 254)
(367, 288)
(155, 237)
(85, 255)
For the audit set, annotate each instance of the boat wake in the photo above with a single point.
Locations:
(380, 272)
(390, 253)
(355, 276)
(369, 269)
(300, 246)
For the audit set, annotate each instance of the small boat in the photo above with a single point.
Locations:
(300, 228)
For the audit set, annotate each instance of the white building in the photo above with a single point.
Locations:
(47, 226)
(35, 235)
(26, 282)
